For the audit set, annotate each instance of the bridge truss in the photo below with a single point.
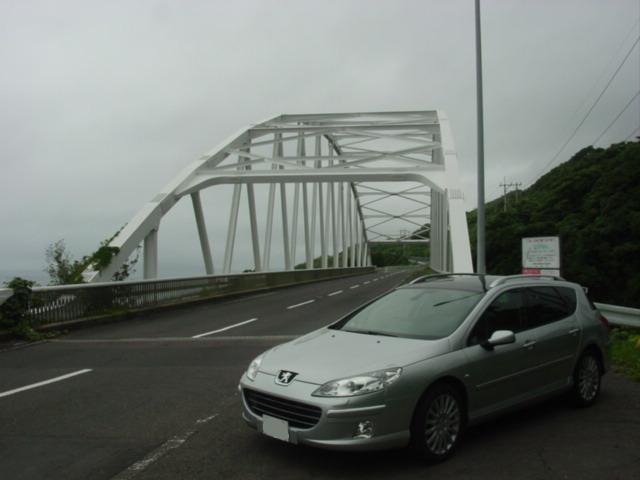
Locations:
(354, 179)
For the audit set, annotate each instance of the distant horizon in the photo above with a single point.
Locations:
(42, 278)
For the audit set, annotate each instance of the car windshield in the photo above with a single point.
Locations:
(425, 313)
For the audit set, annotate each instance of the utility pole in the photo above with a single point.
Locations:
(481, 265)
(403, 235)
(517, 186)
(505, 188)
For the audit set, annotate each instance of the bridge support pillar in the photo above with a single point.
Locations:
(231, 231)
(285, 227)
(331, 208)
(343, 220)
(202, 233)
(350, 243)
(253, 223)
(151, 254)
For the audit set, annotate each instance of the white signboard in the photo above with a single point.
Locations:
(541, 255)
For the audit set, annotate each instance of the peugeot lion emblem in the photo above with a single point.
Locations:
(285, 377)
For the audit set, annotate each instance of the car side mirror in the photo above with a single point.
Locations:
(499, 337)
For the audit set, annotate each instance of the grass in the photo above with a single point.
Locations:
(625, 351)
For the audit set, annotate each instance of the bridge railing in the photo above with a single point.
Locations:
(51, 305)
(68, 303)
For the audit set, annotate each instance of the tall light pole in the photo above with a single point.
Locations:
(480, 251)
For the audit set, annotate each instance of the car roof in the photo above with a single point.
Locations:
(478, 283)
(467, 282)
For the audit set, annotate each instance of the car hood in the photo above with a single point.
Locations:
(327, 354)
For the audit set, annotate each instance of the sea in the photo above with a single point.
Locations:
(38, 276)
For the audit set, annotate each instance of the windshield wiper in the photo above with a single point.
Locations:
(454, 300)
(371, 332)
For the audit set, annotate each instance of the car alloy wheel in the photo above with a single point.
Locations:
(437, 423)
(586, 380)
(442, 424)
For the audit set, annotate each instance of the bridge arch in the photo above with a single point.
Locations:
(339, 165)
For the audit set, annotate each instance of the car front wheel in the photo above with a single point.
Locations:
(437, 423)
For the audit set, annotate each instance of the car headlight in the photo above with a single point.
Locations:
(360, 384)
(252, 371)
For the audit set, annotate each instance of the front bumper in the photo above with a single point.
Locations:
(338, 421)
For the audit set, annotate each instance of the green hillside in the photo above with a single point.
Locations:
(593, 203)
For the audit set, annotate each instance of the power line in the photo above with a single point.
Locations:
(606, 69)
(617, 117)
(632, 134)
(584, 119)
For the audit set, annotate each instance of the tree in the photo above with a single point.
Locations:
(63, 269)
(593, 203)
(13, 312)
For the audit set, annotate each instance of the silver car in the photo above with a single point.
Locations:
(420, 363)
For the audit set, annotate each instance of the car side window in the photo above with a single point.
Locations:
(545, 305)
(506, 312)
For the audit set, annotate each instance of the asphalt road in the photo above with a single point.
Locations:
(149, 401)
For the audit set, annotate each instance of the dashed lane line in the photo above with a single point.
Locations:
(224, 329)
(354, 286)
(45, 382)
(337, 292)
(300, 304)
(174, 442)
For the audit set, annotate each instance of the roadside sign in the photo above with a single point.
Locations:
(541, 256)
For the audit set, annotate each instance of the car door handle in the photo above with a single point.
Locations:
(529, 344)
(573, 331)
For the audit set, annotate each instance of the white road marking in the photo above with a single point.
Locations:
(171, 444)
(337, 292)
(206, 419)
(300, 304)
(225, 328)
(367, 282)
(354, 286)
(45, 382)
(178, 339)
(375, 279)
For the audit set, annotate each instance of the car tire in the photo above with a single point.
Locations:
(586, 380)
(437, 423)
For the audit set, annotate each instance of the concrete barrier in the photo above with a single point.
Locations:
(59, 305)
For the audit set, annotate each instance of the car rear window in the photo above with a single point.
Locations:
(425, 313)
(569, 296)
(545, 305)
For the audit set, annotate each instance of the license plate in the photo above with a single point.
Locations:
(276, 428)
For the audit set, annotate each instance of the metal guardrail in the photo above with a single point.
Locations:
(5, 294)
(617, 315)
(65, 303)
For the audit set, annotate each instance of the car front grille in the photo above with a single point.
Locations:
(298, 414)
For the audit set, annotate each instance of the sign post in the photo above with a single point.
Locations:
(541, 256)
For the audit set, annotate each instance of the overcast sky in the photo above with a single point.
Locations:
(102, 103)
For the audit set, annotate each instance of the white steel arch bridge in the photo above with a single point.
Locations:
(348, 180)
